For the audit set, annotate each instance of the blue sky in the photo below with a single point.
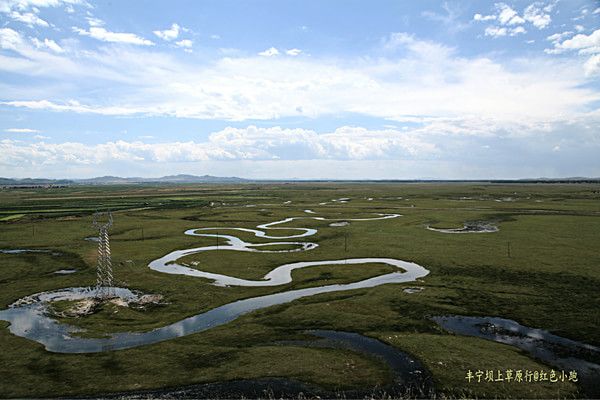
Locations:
(300, 89)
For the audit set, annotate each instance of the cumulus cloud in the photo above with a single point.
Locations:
(250, 143)
(346, 152)
(557, 37)
(186, 43)
(7, 5)
(26, 11)
(113, 37)
(507, 15)
(10, 39)
(169, 34)
(293, 52)
(495, 31)
(584, 45)
(535, 14)
(479, 17)
(270, 52)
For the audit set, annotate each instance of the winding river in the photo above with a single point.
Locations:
(28, 317)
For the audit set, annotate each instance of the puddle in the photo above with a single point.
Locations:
(65, 271)
(309, 212)
(411, 290)
(92, 239)
(343, 223)
(341, 200)
(559, 352)
(469, 227)
(21, 251)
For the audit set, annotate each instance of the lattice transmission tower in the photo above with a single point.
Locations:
(104, 274)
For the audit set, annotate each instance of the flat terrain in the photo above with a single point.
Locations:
(542, 269)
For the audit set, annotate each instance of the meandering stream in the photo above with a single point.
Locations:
(29, 318)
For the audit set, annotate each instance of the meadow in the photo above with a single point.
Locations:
(541, 269)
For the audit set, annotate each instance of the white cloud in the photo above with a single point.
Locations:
(581, 42)
(557, 37)
(584, 45)
(495, 31)
(21, 130)
(26, 11)
(113, 37)
(28, 4)
(27, 18)
(215, 37)
(186, 43)
(536, 15)
(270, 52)
(579, 28)
(517, 30)
(10, 39)
(6, 6)
(508, 16)
(250, 143)
(47, 43)
(479, 17)
(94, 21)
(40, 137)
(73, 106)
(592, 65)
(169, 34)
(596, 11)
(415, 79)
(293, 52)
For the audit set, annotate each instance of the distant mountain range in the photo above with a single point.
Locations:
(116, 180)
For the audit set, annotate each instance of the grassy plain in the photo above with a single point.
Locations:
(548, 280)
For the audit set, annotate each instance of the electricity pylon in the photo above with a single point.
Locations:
(104, 274)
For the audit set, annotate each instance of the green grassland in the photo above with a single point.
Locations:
(549, 280)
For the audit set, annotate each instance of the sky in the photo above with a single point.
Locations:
(282, 89)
